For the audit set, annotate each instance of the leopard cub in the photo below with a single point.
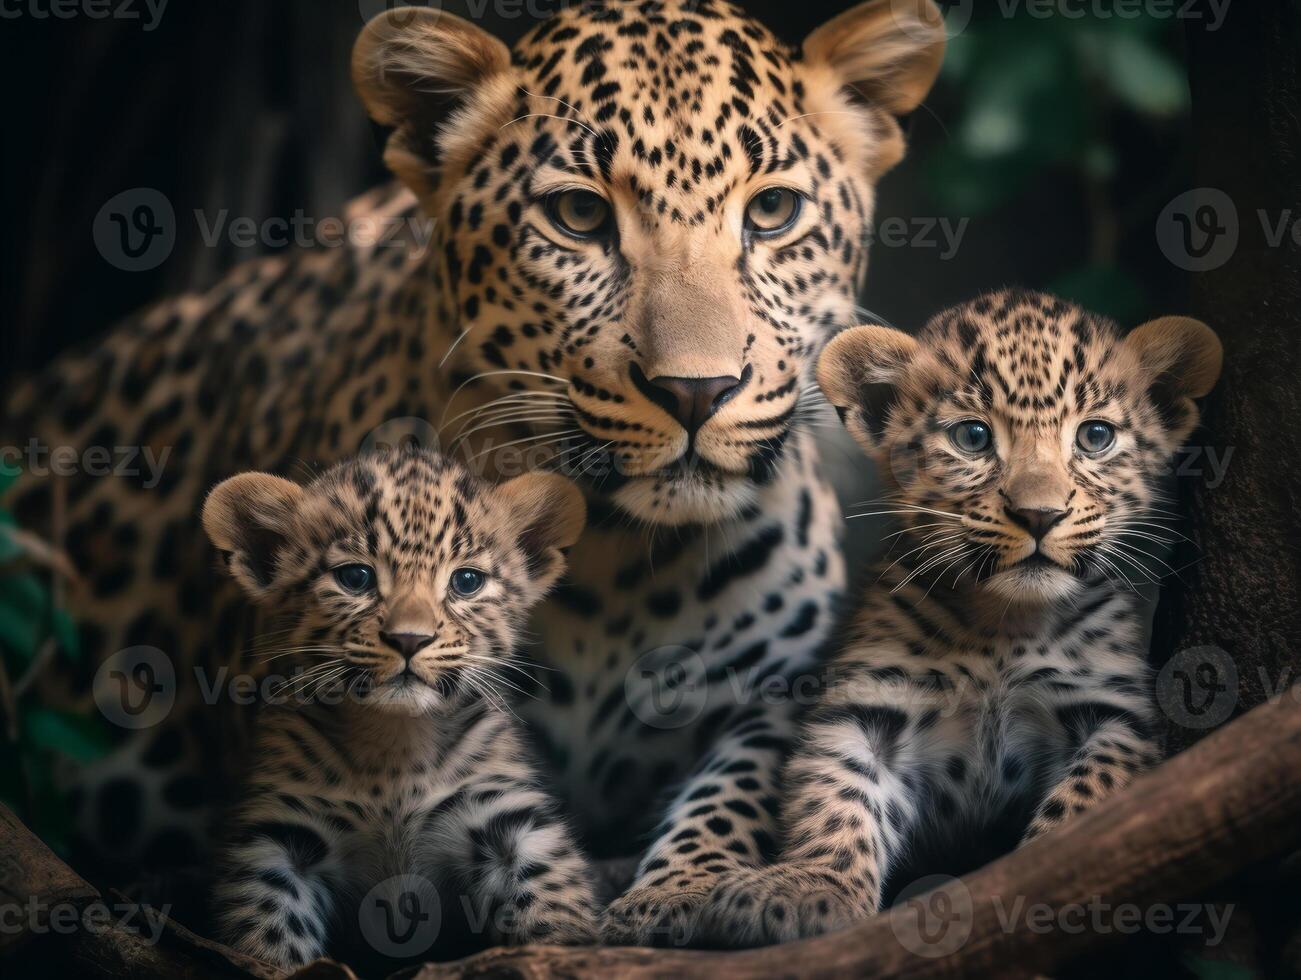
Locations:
(994, 682)
(390, 791)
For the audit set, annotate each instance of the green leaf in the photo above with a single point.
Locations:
(9, 548)
(82, 738)
(24, 605)
(1206, 969)
(9, 472)
(1144, 77)
(65, 631)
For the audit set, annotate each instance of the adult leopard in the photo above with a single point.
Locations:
(648, 217)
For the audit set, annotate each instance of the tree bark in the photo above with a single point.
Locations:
(1241, 593)
(1227, 804)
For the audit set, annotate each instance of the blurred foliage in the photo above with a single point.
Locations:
(1040, 93)
(34, 633)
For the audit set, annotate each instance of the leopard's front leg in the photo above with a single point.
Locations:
(848, 810)
(273, 896)
(722, 819)
(519, 863)
(1113, 751)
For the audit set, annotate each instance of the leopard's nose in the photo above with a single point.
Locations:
(692, 401)
(407, 644)
(1037, 520)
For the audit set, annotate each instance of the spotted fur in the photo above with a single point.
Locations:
(713, 530)
(995, 675)
(389, 759)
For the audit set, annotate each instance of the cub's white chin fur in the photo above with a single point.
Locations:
(409, 698)
(1033, 583)
(690, 499)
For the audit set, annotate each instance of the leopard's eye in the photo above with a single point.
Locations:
(972, 436)
(579, 213)
(1095, 437)
(356, 579)
(467, 581)
(772, 211)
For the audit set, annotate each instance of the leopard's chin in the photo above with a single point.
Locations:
(404, 695)
(689, 498)
(1034, 580)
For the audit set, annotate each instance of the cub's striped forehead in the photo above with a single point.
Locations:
(1025, 354)
(411, 502)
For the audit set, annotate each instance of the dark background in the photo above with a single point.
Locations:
(1056, 139)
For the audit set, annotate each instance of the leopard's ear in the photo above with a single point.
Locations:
(888, 51)
(884, 55)
(1180, 359)
(251, 517)
(431, 76)
(548, 513)
(859, 371)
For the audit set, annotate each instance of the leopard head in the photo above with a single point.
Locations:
(1025, 439)
(651, 214)
(397, 579)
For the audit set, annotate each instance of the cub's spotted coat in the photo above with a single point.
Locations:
(393, 771)
(995, 675)
(663, 360)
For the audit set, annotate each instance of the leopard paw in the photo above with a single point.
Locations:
(655, 915)
(761, 906)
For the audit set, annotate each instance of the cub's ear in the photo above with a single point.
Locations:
(549, 513)
(1181, 359)
(250, 516)
(889, 51)
(412, 67)
(859, 372)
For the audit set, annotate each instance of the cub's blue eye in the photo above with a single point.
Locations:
(355, 578)
(972, 436)
(1095, 437)
(467, 581)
